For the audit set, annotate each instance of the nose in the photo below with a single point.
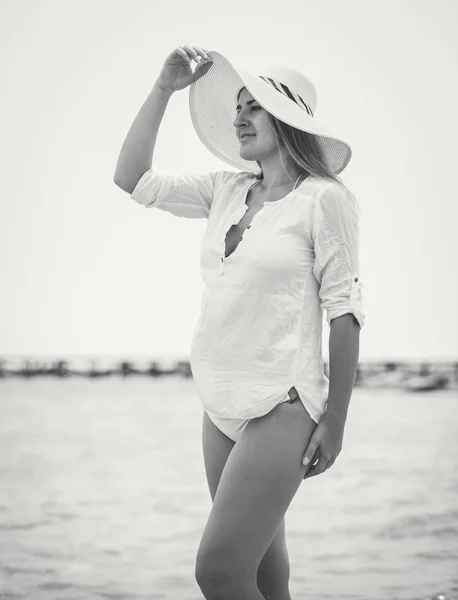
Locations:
(240, 120)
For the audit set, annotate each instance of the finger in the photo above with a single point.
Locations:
(330, 463)
(203, 68)
(312, 465)
(310, 473)
(319, 467)
(191, 52)
(311, 453)
(183, 54)
(326, 466)
(202, 52)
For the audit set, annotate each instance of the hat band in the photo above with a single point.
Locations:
(284, 89)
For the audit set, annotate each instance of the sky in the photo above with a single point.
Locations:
(87, 271)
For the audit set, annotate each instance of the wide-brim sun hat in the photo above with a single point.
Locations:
(283, 91)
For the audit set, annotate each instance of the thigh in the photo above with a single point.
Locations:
(257, 484)
(216, 449)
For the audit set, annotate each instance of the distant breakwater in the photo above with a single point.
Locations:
(414, 375)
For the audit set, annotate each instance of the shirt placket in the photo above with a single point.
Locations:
(236, 219)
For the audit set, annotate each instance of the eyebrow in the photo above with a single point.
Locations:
(249, 102)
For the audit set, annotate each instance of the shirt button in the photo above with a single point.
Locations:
(356, 279)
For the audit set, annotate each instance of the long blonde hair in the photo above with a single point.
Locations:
(303, 149)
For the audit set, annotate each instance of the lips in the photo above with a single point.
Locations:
(242, 139)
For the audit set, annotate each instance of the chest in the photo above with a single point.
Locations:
(255, 203)
(235, 234)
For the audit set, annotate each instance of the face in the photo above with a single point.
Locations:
(252, 118)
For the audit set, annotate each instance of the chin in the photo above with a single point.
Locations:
(246, 155)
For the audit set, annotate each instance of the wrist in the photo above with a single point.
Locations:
(162, 90)
(336, 416)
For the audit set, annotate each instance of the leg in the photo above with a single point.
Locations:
(274, 570)
(259, 480)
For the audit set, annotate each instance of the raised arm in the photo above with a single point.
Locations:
(137, 151)
(136, 156)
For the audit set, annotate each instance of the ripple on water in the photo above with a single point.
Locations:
(22, 526)
(55, 585)
(7, 570)
(414, 526)
(439, 555)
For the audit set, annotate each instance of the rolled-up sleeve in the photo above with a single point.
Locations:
(335, 234)
(188, 195)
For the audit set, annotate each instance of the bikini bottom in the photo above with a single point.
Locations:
(233, 428)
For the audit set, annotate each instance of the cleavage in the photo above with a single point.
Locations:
(235, 233)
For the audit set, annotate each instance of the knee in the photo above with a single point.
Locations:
(217, 577)
(273, 581)
(211, 577)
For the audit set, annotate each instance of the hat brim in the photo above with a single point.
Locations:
(212, 104)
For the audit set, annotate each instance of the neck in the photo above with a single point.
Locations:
(276, 185)
(275, 178)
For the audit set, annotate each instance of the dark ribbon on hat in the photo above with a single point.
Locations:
(284, 89)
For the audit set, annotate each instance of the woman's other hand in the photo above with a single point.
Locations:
(325, 444)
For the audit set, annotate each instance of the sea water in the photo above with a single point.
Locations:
(103, 494)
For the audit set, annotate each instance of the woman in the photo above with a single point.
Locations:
(271, 417)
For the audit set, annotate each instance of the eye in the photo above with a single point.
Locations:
(252, 108)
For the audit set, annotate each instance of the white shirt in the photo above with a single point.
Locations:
(260, 328)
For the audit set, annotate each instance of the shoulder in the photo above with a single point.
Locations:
(330, 200)
(233, 178)
(317, 190)
(227, 183)
(317, 186)
(322, 187)
(333, 196)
